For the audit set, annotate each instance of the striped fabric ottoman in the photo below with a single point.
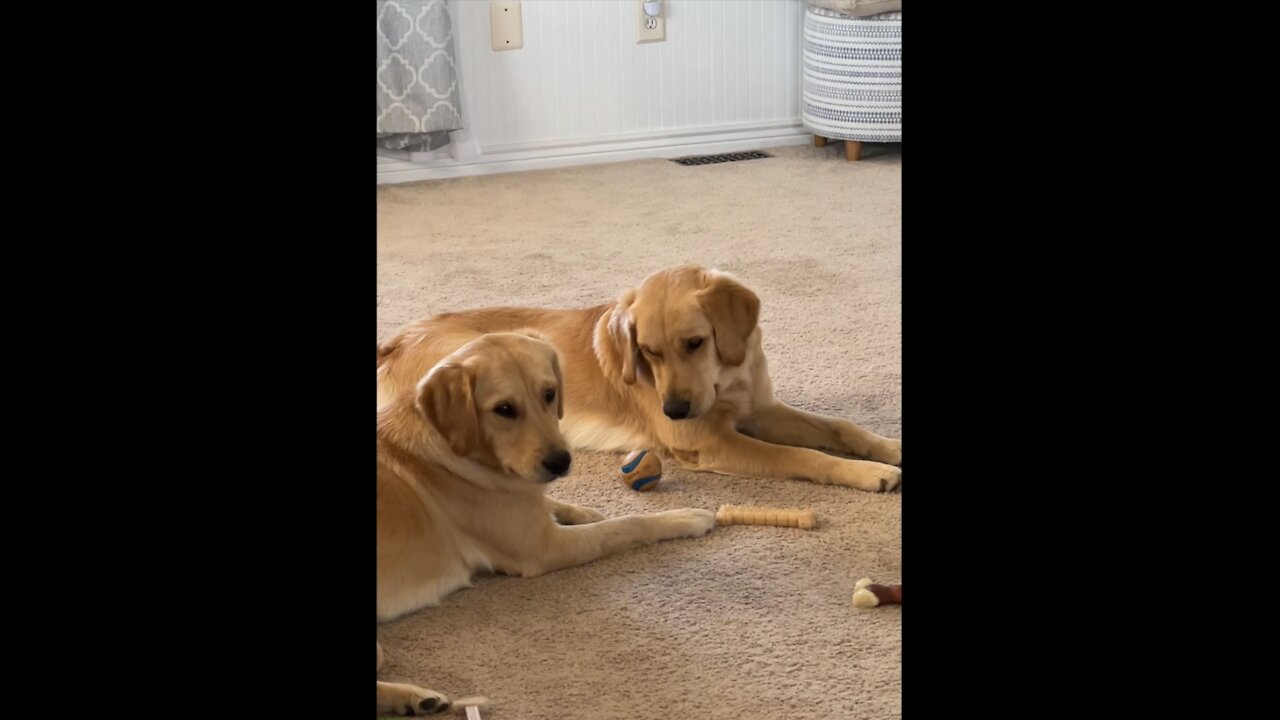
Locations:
(852, 85)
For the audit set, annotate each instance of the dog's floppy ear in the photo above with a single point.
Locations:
(446, 396)
(555, 365)
(734, 311)
(622, 330)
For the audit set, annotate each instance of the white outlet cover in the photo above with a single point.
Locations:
(506, 28)
(647, 29)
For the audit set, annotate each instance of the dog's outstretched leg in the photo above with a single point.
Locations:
(784, 425)
(733, 453)
(571, 545)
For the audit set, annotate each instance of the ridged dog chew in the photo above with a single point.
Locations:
(741, 515)
(867, 594)
(469, 705)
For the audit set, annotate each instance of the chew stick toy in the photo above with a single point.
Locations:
(470, 705)
(867, 594)
(740, 515)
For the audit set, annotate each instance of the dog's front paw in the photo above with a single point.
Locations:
(575, 515)
(689, 522)
(870, 476)
(890, 478)
(412, 700)
(888, 452)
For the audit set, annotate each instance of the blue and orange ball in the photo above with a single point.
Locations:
(641, 470)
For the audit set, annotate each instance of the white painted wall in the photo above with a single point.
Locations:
(582, 90)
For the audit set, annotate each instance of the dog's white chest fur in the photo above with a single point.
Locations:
(586, 432)
(740, 387)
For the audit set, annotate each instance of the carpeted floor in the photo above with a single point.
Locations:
(744, 623)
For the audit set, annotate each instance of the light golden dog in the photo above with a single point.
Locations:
(674, 365)
(463, 461)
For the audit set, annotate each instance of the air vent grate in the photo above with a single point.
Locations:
(726, 157)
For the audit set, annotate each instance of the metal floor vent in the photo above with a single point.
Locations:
(726, 157)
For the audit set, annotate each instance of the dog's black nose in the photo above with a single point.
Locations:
(557, 463)
(676, 409)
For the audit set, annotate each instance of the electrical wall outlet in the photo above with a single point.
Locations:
(506, 29)
(651, 28)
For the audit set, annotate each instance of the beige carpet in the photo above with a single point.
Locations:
(746, 622)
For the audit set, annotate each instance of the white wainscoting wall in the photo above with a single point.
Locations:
(582, 91)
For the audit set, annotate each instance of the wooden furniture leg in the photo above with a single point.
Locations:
(819, 141)
(852, 150)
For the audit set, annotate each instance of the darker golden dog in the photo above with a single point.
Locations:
(675, 365)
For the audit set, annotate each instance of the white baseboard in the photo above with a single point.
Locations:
(395, 168)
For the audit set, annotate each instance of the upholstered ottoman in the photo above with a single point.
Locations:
(852, 75)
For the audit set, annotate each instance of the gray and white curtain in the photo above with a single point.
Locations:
(417, 77)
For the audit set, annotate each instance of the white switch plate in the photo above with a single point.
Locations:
(505, 26)
(658, 32)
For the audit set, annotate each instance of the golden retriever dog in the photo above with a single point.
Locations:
(462, 465)
(674, 365)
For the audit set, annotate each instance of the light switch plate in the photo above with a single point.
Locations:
(506, 28)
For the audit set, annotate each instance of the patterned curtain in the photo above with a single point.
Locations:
(417, 76)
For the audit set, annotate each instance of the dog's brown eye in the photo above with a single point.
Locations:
(550, 395)
(694, 344)
(506, 410)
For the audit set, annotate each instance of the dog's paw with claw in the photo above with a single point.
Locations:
(689, 522)
(870, 476)
(890, 479)
(412, 700)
